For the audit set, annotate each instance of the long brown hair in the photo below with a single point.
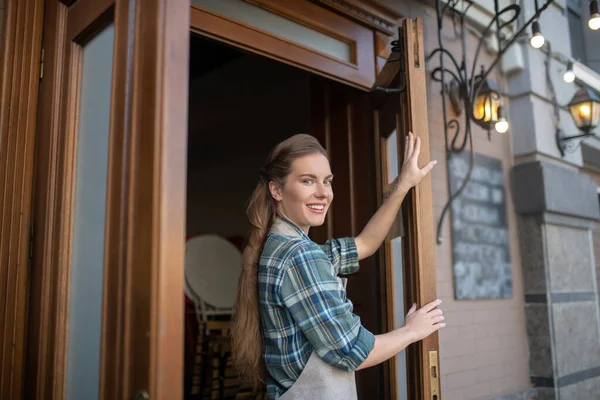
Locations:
(246, 332)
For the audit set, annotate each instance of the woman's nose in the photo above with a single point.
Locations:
(321, 191)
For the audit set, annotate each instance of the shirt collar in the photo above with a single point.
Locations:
(284, 226)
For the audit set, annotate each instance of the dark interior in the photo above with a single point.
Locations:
(240, 106)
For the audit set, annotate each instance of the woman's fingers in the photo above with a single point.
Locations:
(430, 306)
(426, 169)
(417, 148)
(409, 146)
(436, 312)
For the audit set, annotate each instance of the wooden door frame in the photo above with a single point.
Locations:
(418, 252)
(19, 77)
(154, 190)
(142, 320)
(367, 27)
(417, 210)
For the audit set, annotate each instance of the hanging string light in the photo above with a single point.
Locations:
(594, 22)
(569, 75)
(537, 39)
(502, 124)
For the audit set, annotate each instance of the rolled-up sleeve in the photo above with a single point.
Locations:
(342, 254)
(311, 293)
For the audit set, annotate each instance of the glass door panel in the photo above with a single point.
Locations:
(89, 220)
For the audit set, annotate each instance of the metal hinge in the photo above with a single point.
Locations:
(42, 65)
(434, 375)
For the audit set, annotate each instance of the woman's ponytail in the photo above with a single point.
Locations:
(246, 332)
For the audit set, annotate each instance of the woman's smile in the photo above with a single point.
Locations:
(317, 208)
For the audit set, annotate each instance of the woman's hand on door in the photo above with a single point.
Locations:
(424, 321)
(411, 174)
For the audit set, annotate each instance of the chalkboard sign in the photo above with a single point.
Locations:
(480, 243)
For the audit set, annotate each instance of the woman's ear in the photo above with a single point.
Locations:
(275, 191)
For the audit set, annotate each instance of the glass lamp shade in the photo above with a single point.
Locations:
(585, 109)
(485, 106)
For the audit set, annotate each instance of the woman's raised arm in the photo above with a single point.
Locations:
(371, 237)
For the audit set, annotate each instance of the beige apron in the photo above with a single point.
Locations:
(318, 380)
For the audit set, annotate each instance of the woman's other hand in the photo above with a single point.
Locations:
(424, 321)
(411, 174)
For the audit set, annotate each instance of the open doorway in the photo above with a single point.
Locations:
(240, 106)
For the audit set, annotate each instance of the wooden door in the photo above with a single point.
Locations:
(407, 263)
(105, 306)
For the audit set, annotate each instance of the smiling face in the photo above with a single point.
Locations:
(307, 193)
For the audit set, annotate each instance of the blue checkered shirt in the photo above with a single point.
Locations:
(304, 308)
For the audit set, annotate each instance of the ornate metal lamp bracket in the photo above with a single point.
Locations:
(464, 84)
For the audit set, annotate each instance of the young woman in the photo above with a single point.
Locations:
(292, 322)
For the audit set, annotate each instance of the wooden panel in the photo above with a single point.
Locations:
(419, 263)
(117, 222)
(251, 38)
(41, 333)
(82, 19)
(20, 70)
(369, 13)
(54, 201)
(153, 342)
(142, 309)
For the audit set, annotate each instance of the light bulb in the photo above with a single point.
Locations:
(594, 22)
(569, 75)
(501, 126)
(584, 111)
(537, 39)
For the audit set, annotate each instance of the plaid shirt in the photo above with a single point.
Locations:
(303, 307)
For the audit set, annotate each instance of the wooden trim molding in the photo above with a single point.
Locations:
(368, 13)
(20, 71)
(359, 74)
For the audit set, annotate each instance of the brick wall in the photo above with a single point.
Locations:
(483, 349)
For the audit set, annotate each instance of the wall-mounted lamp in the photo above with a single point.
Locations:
(485, 106)
(594, 22)
(569, 75)
(537, 39)
(584, 108)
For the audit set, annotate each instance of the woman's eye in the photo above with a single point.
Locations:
(328, 181)
(307, 181)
